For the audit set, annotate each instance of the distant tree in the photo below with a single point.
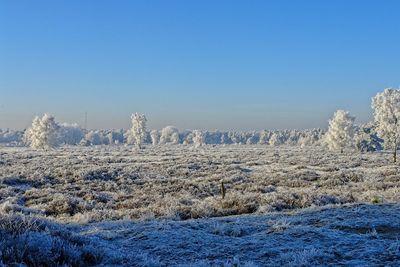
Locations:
(198, 138)
(225, 139)
(187, 138)
(293, 137)
(234, 137)
(366, 139)
(175, 139)
(84, 142)
(341, 131)
(264, 137)
(155, 137)
(169, 135)
(70, 134)
(114, 137)
(275, 139)
(137, 134)
(304, 140)
(212, 137)
(11, 136)
(43, 133)
(310, 137)
(253, 138)
(93, 138)
(386, 106)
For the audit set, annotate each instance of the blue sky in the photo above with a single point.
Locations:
(196, 64)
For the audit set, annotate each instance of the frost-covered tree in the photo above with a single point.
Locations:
(234, 137)
(213, 137)
(264, 137)
(94, 138)
(137, 134)
(293, 137)
(225, 139)
(155, 137)
(114, 137)
(43, 133)
(310, 137)
(366, 139)
(253, 138)
(84, 142)
(169, 135)
(341, 131)
(11, 136)
(275, 139)
(175, 139)
(386, 106)
(188, 139)
(70, 134)
(198, 138)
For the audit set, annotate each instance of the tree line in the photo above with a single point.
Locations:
(342, 133)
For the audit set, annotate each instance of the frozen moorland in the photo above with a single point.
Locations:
(162, 206)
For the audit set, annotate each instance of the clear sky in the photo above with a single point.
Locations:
(196, 64)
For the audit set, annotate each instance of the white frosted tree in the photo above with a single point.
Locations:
(253, 139)
(69, 134)
(275, 140)
(305, 139)
(234, 137)
(43, 133)
(169, 135)
(188, 139)
(264, 137)
(224, 139)
(175, 139)
(293, 137)
(137, 134)
(198, 138)
(386, 106)
(341, 131)
(93, 138)
(366, 138)
(155, 137)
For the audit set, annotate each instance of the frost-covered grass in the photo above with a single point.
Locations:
(172, 194)
(350, 235)
(115, 182)
(26, 240)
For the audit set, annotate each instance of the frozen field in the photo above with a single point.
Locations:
(155, 206)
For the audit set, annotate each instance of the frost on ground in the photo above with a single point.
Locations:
(88, 184)
(356, 235)
(26, 240)
(351, 235)
(154, 206)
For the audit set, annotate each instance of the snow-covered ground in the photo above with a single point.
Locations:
(158, 206)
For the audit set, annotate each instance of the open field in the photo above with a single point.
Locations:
(180, 182)
(130, 202)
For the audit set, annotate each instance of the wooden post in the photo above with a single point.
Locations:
(395, 142)
(223, 190)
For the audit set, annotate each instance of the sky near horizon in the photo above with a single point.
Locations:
(225, 64)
